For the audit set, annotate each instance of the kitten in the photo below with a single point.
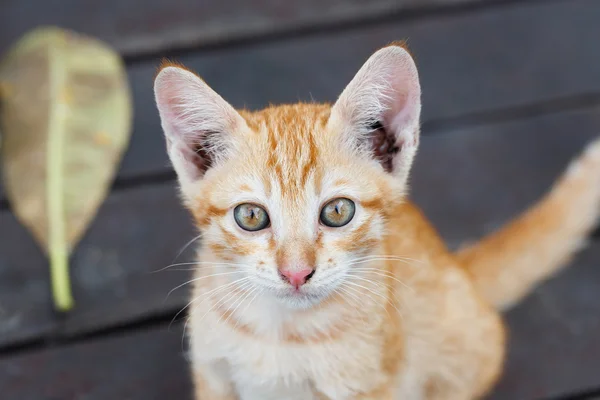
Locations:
(317, 279)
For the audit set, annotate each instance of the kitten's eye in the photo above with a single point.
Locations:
(338, 212)
(251, 217)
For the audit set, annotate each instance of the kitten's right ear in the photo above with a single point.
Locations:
(198, 123)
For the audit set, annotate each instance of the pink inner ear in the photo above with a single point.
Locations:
(169, 89)
(403, 110)
(195, 165)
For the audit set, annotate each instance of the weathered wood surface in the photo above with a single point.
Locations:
(146, 365)
(154, 25)
(554, 344)
(468, 181)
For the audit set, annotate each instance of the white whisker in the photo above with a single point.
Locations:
(352, 295)
(365, 259)
(239, 303)
(365, 294)
(389, 256)
(389, 287)
(357, 303)
(205, 295)
(201, 278)
(248, 305)
(226, 297)
(202, 263)
(188, 244)
(384, 273)
(375, 293)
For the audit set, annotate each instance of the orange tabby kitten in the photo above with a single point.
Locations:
(317, 279)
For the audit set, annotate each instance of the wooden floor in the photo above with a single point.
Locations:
(511, 93)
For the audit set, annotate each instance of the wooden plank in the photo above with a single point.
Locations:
(554, 345)
(156, 25)
(510, 61)
(136, 233)
(468, 181)
(146, 365)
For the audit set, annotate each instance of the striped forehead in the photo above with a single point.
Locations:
(291, 136)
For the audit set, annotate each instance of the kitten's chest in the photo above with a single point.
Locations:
(291, 369)
(289, 362)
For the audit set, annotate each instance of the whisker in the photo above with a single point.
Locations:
(366, 294)
(374, 301)
(357, 304)
(188, 244)
(201, 263)
(388, 286)
(384, 273)
(377, 259)
(201, 278)
(389, 256)
(239, 303)
(406, 260)
(205, 295)
(183, 335)
(375, 293)
(354, 297)
(248, 305)
(226, 297)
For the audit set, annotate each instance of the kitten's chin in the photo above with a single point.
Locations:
(299, 300)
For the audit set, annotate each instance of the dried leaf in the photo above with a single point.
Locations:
(66, 120)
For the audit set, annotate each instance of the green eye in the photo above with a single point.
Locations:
(338, 212)
(251, 217)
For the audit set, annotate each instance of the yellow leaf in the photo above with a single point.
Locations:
(66, 121)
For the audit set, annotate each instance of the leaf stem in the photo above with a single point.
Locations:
(57, 243)
(61, 282)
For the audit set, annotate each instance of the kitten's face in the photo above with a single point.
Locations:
(294, 197)
(293, 200)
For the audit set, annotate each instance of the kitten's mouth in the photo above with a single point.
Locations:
(299, 297)
(294, 292)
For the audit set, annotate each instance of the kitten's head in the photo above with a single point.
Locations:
(294, 195)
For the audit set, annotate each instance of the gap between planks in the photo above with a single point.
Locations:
(167, 319)
(310, 28)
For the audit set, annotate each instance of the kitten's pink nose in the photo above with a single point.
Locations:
(297, 277)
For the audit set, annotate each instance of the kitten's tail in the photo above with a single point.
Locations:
(507, 264)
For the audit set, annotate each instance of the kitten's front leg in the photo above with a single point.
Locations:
(382, 393)
(211, 382)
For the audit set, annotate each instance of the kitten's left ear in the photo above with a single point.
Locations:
(379, 110)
